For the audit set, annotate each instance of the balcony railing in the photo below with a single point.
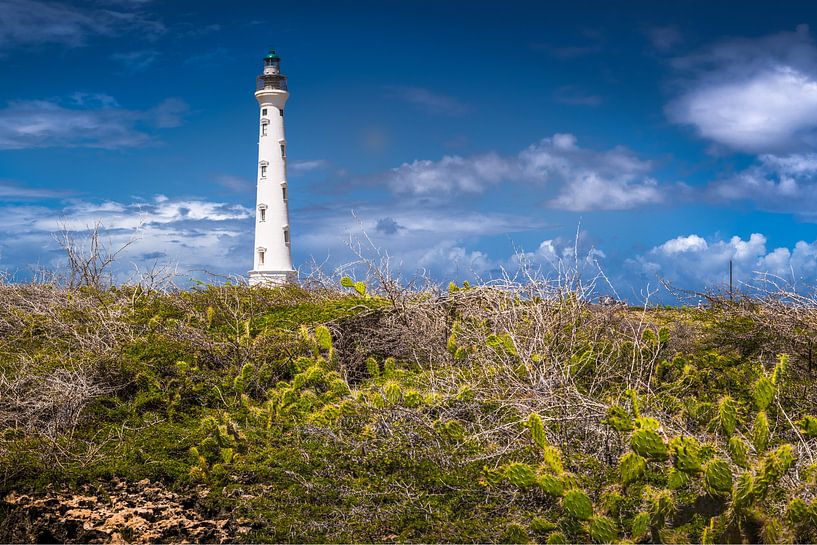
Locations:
(275, 82)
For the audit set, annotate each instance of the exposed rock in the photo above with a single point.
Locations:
(114, 512)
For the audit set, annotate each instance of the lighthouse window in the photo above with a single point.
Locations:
(264, 129)
(263, 171)
(284, 191)
(262, 214)
(260, 256)
(281, 112)
(284, 151)
(286, 235)
(263, 111)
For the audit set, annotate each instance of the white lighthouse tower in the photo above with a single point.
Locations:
(272, 260)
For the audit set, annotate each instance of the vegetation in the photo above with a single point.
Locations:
(367, 411)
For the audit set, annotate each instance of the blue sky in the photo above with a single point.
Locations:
(463, 138)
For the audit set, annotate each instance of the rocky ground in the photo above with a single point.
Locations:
(115, 512)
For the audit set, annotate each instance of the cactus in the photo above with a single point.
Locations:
(550, 484)
(687, 455)
(808, 426)
(797, 511)
(577, 504)
(602, 529)
(738, 451)
(763, 393)
(537, 430)
(780, 368)
(743, 490)
(717, 477)
(452, 339)
(541, 525)
(556, 538)
(676, 479)
(520, 474)
(647, 443)
(515, 533)
(553, 459)
(618, 419)
(392, 392)
(372, 367)
(728, 415)
(641, 526)
(661, 504)
(631, 467)
(760, 432)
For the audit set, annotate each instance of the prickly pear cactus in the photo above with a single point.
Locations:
(743, 491)
(577, 504)
(760, 432)
(763, 393)
(797, 511)
(718, 477)
(728, 415)
(602, 529)
(632, 467)
(520, 474)
(550, 484)
(537, 430)
(687, 455)
(649, 444)
(738, 451)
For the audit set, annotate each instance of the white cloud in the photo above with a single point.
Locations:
(33, 22)
(692, 262)
(84, 120)
(756, 96)
(774, 183)
(584, 179)
(193, 233)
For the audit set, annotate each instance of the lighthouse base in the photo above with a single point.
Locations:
(271, 279)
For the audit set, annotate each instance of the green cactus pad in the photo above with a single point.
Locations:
(649, 444)
(739, 452)
(641, 526)
(760, 432)
(631, 466)
(556, 538)
(728, 415)
(602, 529)
(541, 525)
(718, 477)
(763, 393)
(797, 511)
(550, 484)
(537, 430)
(618, 419)
(808, 426)
(520, 474)
(743, 490)
(687, 455)
(577, 504)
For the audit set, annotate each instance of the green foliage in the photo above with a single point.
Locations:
(808, 426)
(537, 430)
(760, 432)
(728, 415)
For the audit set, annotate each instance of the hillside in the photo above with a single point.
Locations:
(504, 413)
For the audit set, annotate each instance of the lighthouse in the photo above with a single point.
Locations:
(272, 259)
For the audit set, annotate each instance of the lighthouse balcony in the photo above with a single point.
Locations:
(273, 82)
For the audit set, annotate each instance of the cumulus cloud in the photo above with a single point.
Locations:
(584, 179)
(774, 183)
(83, 120)
(33, 22)
(752, 95)
(692, 261)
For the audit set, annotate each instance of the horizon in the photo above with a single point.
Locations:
(662, 142)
